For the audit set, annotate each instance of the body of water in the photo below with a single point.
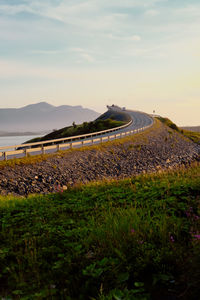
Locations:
(15, 140)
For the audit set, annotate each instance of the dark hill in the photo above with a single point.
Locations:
(115, 115)
(43, 117)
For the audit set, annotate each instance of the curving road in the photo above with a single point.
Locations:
(139, 120)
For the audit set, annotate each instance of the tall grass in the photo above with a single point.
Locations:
(131, 239)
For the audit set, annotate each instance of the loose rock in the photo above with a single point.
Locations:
(151, 152)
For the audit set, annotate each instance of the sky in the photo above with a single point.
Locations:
(141, 54)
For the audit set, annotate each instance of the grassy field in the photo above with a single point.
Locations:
(192, 135)
(131, 239)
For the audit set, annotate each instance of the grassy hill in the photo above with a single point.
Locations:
(108, 120)
(130, 239)
(192, 135)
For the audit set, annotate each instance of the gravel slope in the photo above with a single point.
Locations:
(153, 150)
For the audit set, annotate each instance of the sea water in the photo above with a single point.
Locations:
(15, 140)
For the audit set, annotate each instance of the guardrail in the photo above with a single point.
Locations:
(67, 143)
(55, 143)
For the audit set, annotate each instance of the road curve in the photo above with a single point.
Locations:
(139, 120)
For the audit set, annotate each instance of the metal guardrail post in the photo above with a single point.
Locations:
(43, 150)
(5, 155)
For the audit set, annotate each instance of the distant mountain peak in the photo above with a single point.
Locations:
(42, 105)
(43, 116)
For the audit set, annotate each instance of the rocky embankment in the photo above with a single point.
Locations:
(156, 149)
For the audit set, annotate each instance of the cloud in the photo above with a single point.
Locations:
(189, 10)
(59, 9)
(15, 9)
(48, 52)
(83, 54)
(80, 12)
(136, 38)
(76, 49)
(87, 57)
(12, 69)
(152, 12)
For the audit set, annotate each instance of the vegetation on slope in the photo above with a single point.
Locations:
(106, 121)
(192, 135)
(131, 239)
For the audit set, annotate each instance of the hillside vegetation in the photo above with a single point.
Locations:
(192, 135)
(131, 239)
(108, 120)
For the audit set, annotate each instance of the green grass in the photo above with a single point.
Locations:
(131, 239)
(192, 135)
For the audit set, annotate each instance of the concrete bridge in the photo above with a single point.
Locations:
(139, 122)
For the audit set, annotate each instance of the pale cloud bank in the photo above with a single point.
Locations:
(93, 50)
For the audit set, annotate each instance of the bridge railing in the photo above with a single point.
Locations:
(6, 151)
(67, 143)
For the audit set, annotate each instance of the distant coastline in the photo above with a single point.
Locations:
(27, 133)
(192, 128)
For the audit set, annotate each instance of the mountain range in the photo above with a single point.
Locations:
(42, 117)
